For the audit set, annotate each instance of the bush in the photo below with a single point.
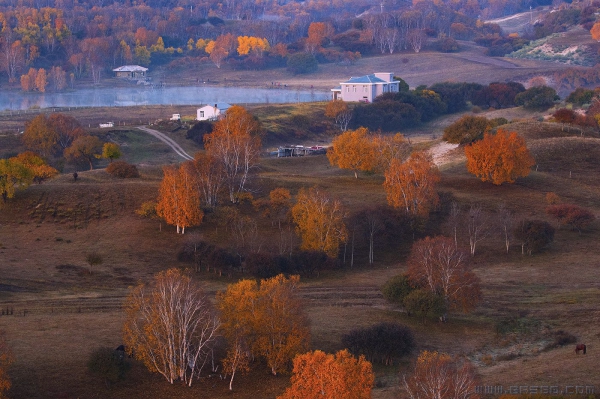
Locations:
(122, 169)
(301, 63)
(571, 215)
(383, 342)
(397, 288)
(424, 304)
(198, 131)
(466, 130)
(446, 45)
(108, 364)
(534, 235)
(538, 97)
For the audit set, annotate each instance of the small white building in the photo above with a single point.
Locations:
(211, 112)
(366, 88)
(130, 71)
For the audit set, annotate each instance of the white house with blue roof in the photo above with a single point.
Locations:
(366, 88)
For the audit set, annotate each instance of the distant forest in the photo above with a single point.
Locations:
(48, 45)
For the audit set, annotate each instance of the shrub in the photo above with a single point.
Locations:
(466, 130)
(397, 288)
(383, 342)
(425, 304)
(534, 235)
(538, 97)
(446, 45)
(122, 169)
(571, 215)
(198, 131)
(108, 364)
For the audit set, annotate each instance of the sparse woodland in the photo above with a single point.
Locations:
(383, 269)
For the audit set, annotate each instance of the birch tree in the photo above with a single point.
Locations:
(320, 221)
(235, 144)
(171, 326)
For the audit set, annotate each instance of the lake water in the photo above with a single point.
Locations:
(122, 96)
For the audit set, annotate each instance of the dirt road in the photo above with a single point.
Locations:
(167, 140)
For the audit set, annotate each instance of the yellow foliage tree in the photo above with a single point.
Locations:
(178, 199)
(320, 221)
(39, 168)
(389, 148)
(13, 176)
(338, 110)
(412, 185)
(499, 158)
(41, 80)
(265, 320)
(318, 375)
(353, 150)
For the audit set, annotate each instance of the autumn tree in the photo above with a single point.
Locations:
(39, 137)
(595, 31)
(466, 130)
(170, 325)
(235, 144)
(38, 167)
(319, 221)
(41, 80)
(13, 176)
(209, 178)
(499, 158)
(84, 148)
(111, 151)
(263, 319)
(390, 147)
(437, 265)
(320, 375)
(575, 216)
(412, 185)
(353, 150)
(58, 78)
(178, 198)
(6, 359)
(338, 111)
(438, 375)
(317, 33)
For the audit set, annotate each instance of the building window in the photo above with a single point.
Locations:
(354, 89)
(347, 89)
(365, 89)
(201, 114)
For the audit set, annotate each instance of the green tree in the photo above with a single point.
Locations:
(108, 364)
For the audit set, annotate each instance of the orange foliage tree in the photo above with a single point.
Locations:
(412, 185)
(235, 144)
(438, 375)
(320, 375)
(499, 158)
(595, 31)
(209, 178)
(41, 80)
(178, 198)
(439, 266)
(320, 221)
(353, 150)
(389, 148)
(265, 320)
(170, 325)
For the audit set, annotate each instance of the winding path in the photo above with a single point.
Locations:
(169, 141)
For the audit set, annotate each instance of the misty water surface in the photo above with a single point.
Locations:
(119, 97)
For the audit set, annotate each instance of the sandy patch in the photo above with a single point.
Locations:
(441, 152)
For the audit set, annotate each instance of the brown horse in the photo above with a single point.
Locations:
(579, 348)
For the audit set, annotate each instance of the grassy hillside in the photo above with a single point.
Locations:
(61, 312)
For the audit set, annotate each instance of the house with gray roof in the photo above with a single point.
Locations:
(130, 72)
(366, 88)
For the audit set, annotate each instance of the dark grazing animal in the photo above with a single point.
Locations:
(579, 348)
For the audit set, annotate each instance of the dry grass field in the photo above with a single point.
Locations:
(61, 312)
